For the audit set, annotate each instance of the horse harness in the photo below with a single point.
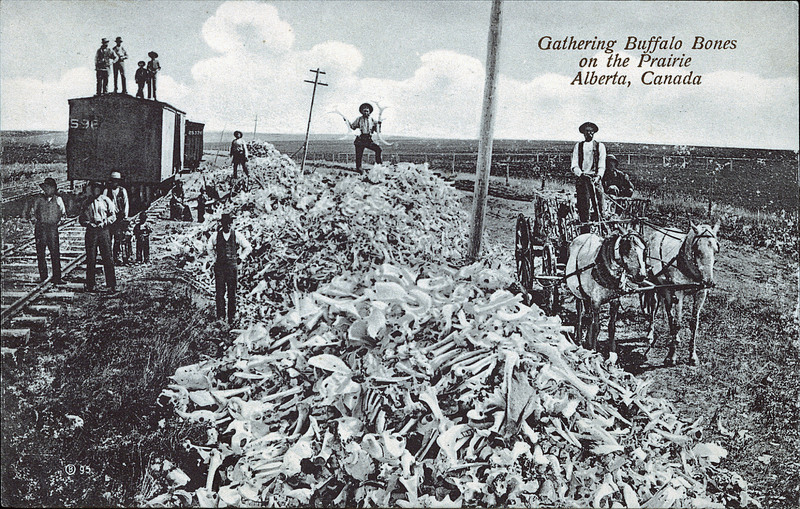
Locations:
(682, 261)
(607, 268)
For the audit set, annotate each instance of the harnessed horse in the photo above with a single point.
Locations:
(598, 269)
(677, 258)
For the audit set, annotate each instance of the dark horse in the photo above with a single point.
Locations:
(685, 259)
(597, 272)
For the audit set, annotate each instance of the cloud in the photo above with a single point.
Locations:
(258, 71)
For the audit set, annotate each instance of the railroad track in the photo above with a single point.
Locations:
(18, 191)
(29, 304)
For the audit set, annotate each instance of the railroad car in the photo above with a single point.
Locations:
(142, 139)
(193, 147)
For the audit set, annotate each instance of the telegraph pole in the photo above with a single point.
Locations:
(316, 82)
(255, 126)
(484, 165)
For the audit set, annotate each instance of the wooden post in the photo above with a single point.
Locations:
(316, 82)
(484, 162)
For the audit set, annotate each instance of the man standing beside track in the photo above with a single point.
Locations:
(47, 211)
(227, 247)
(118, 195)
(589, 165)
(97, 216)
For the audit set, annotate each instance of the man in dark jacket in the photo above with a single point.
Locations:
(47, 211)
(227, 247)
(616, 183)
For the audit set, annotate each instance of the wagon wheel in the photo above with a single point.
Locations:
(552, 286)
(523, 255)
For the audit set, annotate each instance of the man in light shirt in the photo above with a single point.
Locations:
(47, 211)
(98, 215)
(239, 154)
(119, 65)
(119, 195)
(227, 247)
(589, 165)
(366, 126)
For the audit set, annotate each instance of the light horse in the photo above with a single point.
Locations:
(598, 270)
(677, 258)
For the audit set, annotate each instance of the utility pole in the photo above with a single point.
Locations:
(316, 82)
(484, 165)
(255, 126)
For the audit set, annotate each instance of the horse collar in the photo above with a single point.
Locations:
(686, 263)
(605, 271)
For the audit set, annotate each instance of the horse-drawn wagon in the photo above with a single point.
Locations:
(620, 253)
(543, 239)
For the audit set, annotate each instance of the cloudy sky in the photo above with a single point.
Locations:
(225, 62)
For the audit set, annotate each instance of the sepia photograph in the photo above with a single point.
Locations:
(401, 253)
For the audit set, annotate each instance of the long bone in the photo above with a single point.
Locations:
(346, 136)
(380, 117)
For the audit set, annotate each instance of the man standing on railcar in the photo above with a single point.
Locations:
(152, 70)
(47, 211)
(119, 195)
(97, 216)
(119, 65)
(589, 165)
(227, 247)
(367, 126)
(102, 65)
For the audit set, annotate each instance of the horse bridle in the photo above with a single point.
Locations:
(682, 261)
(616, 258)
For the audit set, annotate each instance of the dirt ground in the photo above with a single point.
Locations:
(107, 359)
(746, 388)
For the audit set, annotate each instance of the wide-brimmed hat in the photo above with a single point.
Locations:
(95, 184)
(584, 125)
(115, 175)
(365, 105)
(104, 40)
(226, 218)
(152, 54)
(611, 158)
(237, 134)
(118, 39)
(49, 181)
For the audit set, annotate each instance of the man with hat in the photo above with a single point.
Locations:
(227, 247)
(47, 211)
(239, 153)
(152, 69)
(615, 182)
(119, 195)
(367, 126)
(119, 65)
(97, 216)
(589, 165)
(102, 65)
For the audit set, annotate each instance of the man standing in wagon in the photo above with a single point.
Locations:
(589, 165)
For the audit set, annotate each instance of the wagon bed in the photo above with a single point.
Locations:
(543, 238)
